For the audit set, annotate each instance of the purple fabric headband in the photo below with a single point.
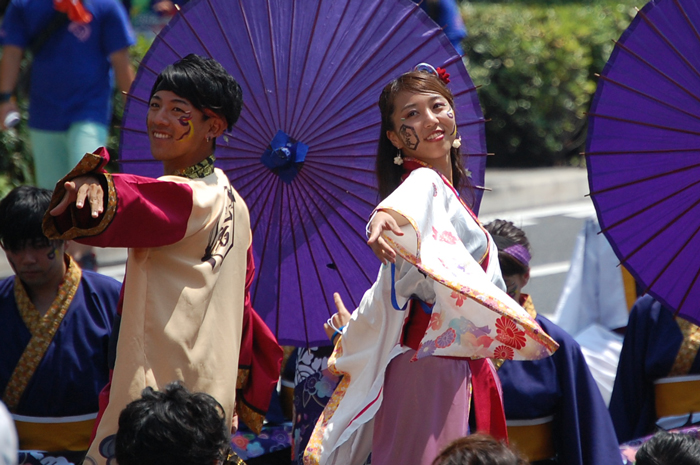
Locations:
(520, 253)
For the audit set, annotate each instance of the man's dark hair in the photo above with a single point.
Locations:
(174, 427)
(205, 83)
(669, 448)
(478, 449)
(506, 234)
(21, 214)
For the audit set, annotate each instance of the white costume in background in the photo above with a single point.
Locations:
(593, 302)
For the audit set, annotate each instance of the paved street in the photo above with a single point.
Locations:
(552, 233)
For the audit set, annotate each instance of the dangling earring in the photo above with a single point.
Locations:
(208, 138)
(457, 143)
(397, 159)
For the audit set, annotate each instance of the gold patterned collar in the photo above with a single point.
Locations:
(201, 170)
(528, 306)
(32, 318)
(43, 329)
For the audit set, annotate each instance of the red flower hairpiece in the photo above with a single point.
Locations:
(443, 74)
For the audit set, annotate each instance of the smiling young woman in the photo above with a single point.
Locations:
(415, 352)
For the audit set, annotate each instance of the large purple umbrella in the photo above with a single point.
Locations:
(643, 152)
(302, 153)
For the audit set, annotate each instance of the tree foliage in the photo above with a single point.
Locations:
(536, 64)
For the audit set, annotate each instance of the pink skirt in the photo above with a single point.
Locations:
(425, 408)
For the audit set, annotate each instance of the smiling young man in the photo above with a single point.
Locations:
(185, 309)
(56, 321)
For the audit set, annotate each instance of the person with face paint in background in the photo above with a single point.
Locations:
(185, 314)
(55, 325)
(554, 410)
(415, 353)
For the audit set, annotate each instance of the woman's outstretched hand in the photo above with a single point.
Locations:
(339, 319)
(383, 221)
(78, 191)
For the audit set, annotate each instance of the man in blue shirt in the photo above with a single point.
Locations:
(71, 79)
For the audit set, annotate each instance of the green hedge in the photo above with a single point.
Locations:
(536, 65)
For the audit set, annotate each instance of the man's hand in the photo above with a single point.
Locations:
(78, 191)
(339, 319)
(383, 221)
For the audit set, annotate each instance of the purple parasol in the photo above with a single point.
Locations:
(643, 152)
(302, 153)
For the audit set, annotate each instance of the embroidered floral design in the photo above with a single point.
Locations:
(324, 387)
(460, 325)
(240, 441)
(435, 321)
(458, 297)
(435, 192)
(508, 333)
(425, 349)
(446, 339)
(445, 236)
(503, 352)
(484, 341)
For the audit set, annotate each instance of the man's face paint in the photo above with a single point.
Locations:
(186, 120)
(409, 136)
(35, 262)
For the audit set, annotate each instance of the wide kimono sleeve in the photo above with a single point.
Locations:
(139, 212)
(471, 316)
(652, 341)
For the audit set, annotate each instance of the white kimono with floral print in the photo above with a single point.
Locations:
(472, 316)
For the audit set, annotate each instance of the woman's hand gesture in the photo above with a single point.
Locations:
(383, 221)
(77, 191)
(338, 320)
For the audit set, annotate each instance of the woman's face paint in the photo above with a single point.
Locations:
(451, 115)
(52, 253)
(186, 120)
(409, 136)
(423, 126)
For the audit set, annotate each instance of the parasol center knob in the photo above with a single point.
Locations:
(281, 156)
(284, 156)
